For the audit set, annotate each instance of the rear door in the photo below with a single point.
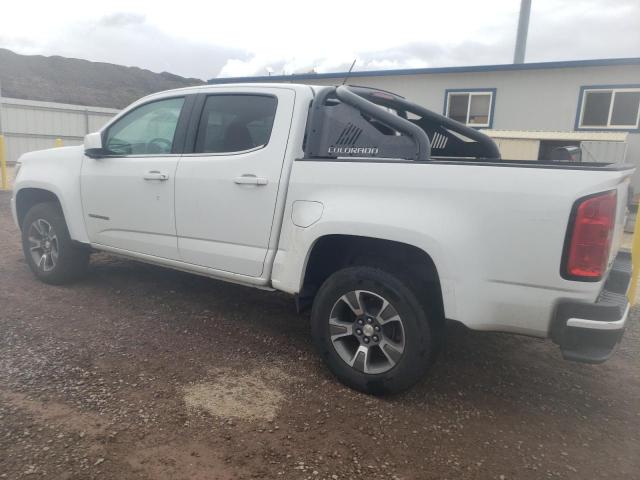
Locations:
(226, 188)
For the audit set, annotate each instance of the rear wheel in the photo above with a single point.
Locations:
(48, 248)
(372, 331)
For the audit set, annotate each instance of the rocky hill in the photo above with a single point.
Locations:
(81, 82)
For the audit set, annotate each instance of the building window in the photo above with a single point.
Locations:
(609, 108)
(471, 107)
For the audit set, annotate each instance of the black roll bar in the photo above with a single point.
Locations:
(414, 144)
(491, 149)
(399, 103)
(400, 124)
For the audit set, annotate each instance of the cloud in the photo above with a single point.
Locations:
(222, 40)
(128, 39)
(559, 30)
(598, 29)
(121, 19)
(409, 55)
(17, 42)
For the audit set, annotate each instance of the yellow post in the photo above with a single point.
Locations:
(58, 142)
(635, 260)
(3, 165)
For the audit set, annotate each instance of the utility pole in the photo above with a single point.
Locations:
(523, 30)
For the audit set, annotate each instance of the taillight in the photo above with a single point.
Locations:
(589, 237)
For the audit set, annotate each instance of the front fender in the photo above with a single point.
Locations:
(57, 171)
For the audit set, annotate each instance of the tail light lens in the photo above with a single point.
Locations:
(589, 237)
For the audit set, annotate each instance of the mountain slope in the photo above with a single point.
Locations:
(70, 80)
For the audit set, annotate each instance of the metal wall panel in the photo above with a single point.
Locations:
(607, 152)
(97, 121)
(518, 149)
(29, 125)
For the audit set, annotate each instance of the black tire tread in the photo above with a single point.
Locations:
(72, 259)
(420, 349)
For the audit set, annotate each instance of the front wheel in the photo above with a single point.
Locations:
(372, 331)
(48, 248)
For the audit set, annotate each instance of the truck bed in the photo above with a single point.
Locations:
(496, 234)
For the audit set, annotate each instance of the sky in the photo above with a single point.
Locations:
(244, 38)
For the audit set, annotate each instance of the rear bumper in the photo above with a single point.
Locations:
(589, 332)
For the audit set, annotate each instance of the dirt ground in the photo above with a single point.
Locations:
(143, 373)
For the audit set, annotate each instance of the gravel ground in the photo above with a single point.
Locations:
(143, 373)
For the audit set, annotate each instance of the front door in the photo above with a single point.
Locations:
(128, 195)
(226, 190)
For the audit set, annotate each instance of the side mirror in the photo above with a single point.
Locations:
(93, 145)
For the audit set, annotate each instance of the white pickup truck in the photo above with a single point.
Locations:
(386, 218)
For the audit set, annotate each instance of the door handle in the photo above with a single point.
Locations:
(250, 179)
(156, 175)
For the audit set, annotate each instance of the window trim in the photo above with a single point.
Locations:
(492, 103)
(606, 88)
(198, 111)
(178, 136)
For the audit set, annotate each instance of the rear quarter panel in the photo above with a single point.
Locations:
(495, 234)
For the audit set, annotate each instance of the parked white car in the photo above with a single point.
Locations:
(385, 217)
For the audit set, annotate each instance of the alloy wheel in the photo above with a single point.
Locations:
(367, 332)
(43, 245)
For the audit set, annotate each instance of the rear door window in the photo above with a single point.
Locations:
(232, 123)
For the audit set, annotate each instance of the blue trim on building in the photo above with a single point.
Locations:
(491, 90)
(577, 126)
(604, 62)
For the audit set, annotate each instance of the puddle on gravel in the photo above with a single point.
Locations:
(249, 396)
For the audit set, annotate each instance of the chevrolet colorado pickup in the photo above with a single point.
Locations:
(385, 218)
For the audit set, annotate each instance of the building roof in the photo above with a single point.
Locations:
(603, 62)
(8, 101)
(555, 135)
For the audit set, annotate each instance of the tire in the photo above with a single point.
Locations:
(403, 327)
(48, 248)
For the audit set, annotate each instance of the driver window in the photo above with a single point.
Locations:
(147, 130)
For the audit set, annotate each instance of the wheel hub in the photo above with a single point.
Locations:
(368, 330)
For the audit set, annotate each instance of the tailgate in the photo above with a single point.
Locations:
(622, 212)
